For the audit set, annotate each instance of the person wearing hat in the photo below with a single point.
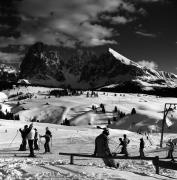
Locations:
(102, 148)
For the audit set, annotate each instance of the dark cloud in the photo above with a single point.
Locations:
(159, 17)
(68, 23)
(9, 57)
(9, 18)
(84, 22)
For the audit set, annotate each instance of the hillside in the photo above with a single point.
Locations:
(77, 109)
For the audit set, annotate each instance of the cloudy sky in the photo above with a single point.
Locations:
(142, 30)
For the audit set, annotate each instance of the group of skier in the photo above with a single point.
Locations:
(30, 134)
(102, 148)
(123, 144)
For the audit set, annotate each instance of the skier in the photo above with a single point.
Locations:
(36, 147)
(141, 150)
(170, 150)
(102, 149)
(23, 134)
(126, 141)
(122, 146)
(47, 136)
(30, 136)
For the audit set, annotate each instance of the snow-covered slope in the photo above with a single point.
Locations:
(80, 137)
(122, 58)
(78, 109)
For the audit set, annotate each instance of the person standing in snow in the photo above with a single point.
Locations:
(102, 148)
(170, 150)
(30, 136)
(47, 136)
(36, 147)
(141, 150)
(122, 146)
(23, 134)
(126, 141)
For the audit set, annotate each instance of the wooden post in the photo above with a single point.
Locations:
(71, 159)
(163, 123)
(156, 163)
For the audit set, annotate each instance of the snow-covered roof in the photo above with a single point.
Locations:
(23, 81)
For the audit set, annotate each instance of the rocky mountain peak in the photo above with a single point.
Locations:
(41, 62)
(84, 69)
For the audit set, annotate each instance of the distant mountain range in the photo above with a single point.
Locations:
(83, 69)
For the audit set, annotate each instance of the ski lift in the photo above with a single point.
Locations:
(167, 108)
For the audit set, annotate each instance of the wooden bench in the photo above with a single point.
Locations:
(155, 160)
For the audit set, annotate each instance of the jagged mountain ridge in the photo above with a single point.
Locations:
(84, 69)
(41, 63)
(149, 73)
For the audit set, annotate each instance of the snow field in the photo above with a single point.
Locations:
(79, 137)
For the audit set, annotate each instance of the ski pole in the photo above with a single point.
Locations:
(39, 142)
(13, 138)
(51, 144)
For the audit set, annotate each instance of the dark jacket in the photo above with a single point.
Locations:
(121, 143)
(47, 135)
(101, 146)
(126, 141)
(171, 146)
(25, 132)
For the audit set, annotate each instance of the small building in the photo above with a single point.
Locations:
(23, 82)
